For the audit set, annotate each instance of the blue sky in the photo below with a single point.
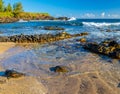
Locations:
(77, 8)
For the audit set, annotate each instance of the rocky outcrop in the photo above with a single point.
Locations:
(107, 47)
(82, 34)
(53, 28)
(62, 18)
(82, 40)
(42, 38)
(8, 20)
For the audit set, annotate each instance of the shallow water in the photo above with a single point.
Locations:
(36, 59)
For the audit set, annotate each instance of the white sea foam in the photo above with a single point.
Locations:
(101, 24)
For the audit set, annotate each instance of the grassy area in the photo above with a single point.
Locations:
(23, 15)
(6, 14)
(31, 16)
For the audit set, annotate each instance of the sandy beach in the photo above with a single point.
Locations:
(5, 46)
(90, 77)
(24, 85)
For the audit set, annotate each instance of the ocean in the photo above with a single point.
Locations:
(96, 27)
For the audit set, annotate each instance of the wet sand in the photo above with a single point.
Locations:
(5, 46)
(88, 74)
(24, 85)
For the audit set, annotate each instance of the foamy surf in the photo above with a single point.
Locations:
(101, 24)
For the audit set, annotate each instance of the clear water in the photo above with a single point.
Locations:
(37, 59)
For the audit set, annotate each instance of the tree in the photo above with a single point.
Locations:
(17, 7)
(8, 8)
(1, 6)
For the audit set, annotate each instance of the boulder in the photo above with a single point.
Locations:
(13, 74)
(82, 40)
(107, 47)
(59, 69)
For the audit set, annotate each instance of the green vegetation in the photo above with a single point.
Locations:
(17, 7)
(1, 6)
(8, 8)
(15, 12)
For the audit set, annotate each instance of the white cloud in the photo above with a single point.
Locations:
(113, 16)
(109, 15)
(103, 14)
(89, 15)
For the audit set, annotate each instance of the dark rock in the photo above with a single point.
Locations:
(82, 40)
(118, 85)
(13, 74)
(42, 38)
(110, 48)
(94, 77)
(62, 18)
(53, 28)
(84, 33)
(59, 69)
(108, 30)
(81, 34)
(113, 43)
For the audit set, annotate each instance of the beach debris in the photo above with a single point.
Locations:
(53, 28)
(13, 74)
(108, 47)
(59, 69)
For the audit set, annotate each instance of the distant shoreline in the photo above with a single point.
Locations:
(9, 17)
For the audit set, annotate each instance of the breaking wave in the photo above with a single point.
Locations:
(101, 24)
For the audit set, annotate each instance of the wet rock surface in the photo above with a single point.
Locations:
(107, 47)
(118, 85)
(13, 74)
(42, 38)
(82, 40)
(82, 34)
(59, 69)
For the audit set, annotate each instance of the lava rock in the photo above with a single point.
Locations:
(81, 34)
(13, 74)
(53, 28)
(59, 69)
(118, 85)
(82, 40)
(108, 47)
